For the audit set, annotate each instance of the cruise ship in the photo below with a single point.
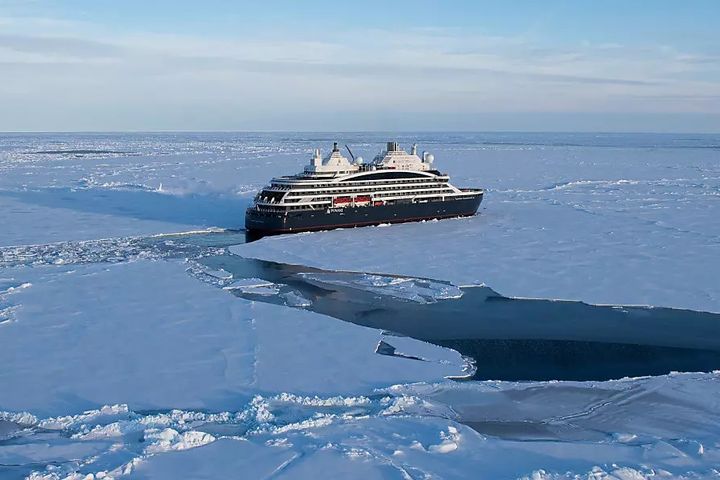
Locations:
(335, 192)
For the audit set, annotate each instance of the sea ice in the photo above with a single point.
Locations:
(117, 363)
(294, 299)
(255, 286)
(148, 335)
(412, 289)
(219, 274)
(620, 225)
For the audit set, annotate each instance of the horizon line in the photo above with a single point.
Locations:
(601, 132)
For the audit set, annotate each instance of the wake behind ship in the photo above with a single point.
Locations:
(334, 192)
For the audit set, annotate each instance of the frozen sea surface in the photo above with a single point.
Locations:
(608, 222)
(131, 347)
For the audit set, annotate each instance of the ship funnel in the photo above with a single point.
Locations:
(335, 147)
(392, 147)
(414, 149)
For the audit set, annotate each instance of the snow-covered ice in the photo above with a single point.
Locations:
(61, 187)
(149, 335)
(602, 224)
(412, 431)
(126, 354)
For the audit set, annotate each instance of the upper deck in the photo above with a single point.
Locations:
(393, 176)
(392, 163)
(368, 173)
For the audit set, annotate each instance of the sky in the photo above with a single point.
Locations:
(522, 65)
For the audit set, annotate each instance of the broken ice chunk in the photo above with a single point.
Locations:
(384, 348)
(294, 299)
(407, 288)
(449, 441)
(256, 286)
(219, 274)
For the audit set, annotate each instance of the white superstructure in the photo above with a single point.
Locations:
(334, 163)
(394, 176)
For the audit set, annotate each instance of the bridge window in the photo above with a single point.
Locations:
(399, 175)
(270, 196)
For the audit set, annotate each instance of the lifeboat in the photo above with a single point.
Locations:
(362, 200)
(341, 201)
(333, 192)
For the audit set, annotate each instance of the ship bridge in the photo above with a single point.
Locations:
(397, 158)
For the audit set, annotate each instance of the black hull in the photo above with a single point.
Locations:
(263, 223)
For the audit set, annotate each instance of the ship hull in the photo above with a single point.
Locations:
(261, 224)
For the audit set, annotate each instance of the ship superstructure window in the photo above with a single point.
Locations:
(385, 176)
(395, 186)
(271, 196)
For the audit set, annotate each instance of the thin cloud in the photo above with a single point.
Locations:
(390, 70)
(168, 51)
(65, 46)
(85, 67)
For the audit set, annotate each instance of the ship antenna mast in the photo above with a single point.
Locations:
(350, 151)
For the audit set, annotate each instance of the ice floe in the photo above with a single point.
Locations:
(108, 250)
(255, 286)
(411, 430)
(605, 226)
(412, 289)
(220, 274)
(146, 334)
(118, 364)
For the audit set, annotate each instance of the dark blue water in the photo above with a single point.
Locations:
(509, 339)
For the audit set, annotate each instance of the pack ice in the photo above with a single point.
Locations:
(124, 357)
(604, 223)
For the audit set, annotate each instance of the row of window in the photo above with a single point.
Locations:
(350, 191)
(384, 193)
(281, 209)
(421, 192)
(378, 195)
(351, 183)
